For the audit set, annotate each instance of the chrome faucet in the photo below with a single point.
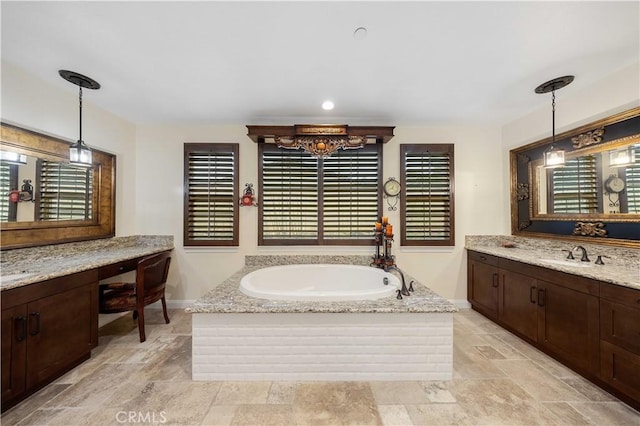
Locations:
(584, 257)
(404, 291)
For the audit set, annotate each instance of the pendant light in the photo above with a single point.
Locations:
(79, 152)
(554, 157)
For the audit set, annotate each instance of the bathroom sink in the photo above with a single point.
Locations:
(568, 263)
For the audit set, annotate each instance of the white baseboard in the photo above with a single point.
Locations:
(461, 303)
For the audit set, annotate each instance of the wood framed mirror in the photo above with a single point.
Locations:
(594, 196)
(67, 203)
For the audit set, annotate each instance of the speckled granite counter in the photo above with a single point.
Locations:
(29, 265)
(227, 298)
(622, 266)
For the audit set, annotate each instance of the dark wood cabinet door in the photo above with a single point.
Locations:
(14, 351)
(59, 331)
(568, 326)
(483, 287)
(517, 307)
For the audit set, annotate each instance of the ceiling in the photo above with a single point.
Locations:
(276, 62)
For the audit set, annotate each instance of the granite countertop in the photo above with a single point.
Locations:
(30, 265)
(227, 298)
(622, 266)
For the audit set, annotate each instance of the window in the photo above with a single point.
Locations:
(632, 173)
(575, 186)
(427, 181)
(311, 201)
(65, 192)
(8, 182)
(211, 194)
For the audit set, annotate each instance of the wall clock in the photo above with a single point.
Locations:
(614, 184)
(391, 190)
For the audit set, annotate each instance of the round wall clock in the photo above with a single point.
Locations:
(392, 187)
(614, 184)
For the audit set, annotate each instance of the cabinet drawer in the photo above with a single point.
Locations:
(620, 325)
(620, 369)
(623, 295)
(484, 258)
(117, 268)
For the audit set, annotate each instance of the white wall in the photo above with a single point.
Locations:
(33, 104)
(159, 203)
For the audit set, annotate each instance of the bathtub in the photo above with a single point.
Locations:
(320, 282)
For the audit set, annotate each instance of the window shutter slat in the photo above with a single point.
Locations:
(427, 179)
(211, 194)
(65, 191)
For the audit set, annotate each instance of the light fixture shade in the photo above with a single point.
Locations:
(13, 158)
(622, 157)
(553, 157)
(80, 155)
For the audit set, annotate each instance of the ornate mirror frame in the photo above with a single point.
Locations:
(38, 233)
(601, 228)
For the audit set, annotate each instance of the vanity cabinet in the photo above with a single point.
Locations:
(482, 283)
(620, 338)
(47, 329)
(591, 326)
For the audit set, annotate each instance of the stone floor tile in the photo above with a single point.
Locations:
(236, 393)
(438, 392)
(538, 382)
(29, 405)
(219, 415)
(608, 413)
(281, 393)
(565, 414)
(263, 415)
(398, 393)
(335, 403)
(588, 389)
(439, 414)
(394, 415)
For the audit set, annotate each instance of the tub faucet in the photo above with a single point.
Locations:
(403, 291)
(584, 257)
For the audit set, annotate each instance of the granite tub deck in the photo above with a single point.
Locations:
(31, 265)
(622, 265)
(237, 337)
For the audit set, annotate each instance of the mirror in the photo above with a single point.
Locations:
(46, 200)
(600, 181)
(594, 195)
(36, 189)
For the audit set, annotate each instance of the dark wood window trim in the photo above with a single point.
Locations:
(328, 197)
(211, 194)
(427, 209)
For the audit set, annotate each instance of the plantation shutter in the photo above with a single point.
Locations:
(427, 181)
(289, 186)
(211, 194)
(309, 201)
(575, 186)
(350, 186)
(8, 182)
(65, 192)
(633, 182)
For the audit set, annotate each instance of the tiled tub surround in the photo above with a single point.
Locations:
(237, 337)
(30, 265)
(621, 267)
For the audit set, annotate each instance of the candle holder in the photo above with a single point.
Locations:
(383, 236)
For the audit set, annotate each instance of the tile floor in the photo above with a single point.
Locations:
(498, 380)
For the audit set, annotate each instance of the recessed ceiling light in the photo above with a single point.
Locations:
(360, 33)
(327, 105)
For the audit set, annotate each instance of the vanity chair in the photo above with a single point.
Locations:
(151, 277)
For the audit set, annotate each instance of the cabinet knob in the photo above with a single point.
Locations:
(121, 268)
(483, 258)
(20, 328)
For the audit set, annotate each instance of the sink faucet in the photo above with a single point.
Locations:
(403, 291)
(584, 257)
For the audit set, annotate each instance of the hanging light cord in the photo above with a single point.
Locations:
(80, 96)
(553, 116)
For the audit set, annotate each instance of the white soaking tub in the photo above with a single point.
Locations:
(320, 282)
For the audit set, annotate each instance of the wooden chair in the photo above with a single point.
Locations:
(151, 277)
